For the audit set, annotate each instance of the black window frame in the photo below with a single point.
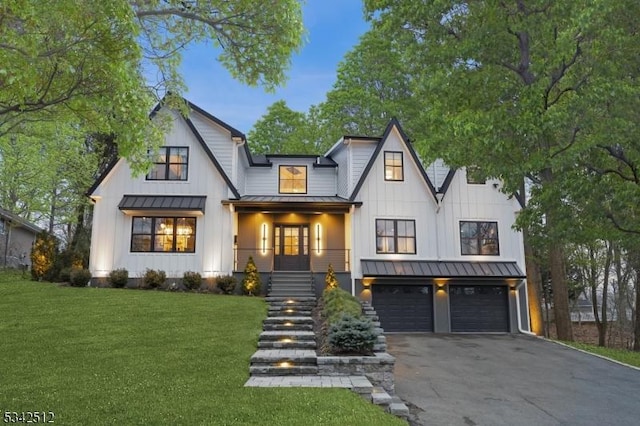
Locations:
(280, 179)
(472, 172)
(396, 237)
(479, 239)
(167, 164)
(153, 234)
(393, 167)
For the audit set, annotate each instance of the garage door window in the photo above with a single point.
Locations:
(479, 238)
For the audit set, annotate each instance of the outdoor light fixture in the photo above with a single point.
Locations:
(264, 238)
(318, 238)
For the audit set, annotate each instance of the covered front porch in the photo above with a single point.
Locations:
(293, 233)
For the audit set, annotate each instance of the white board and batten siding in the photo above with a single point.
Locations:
(218, 139)
(111, 249)
(410, 199)
(483, 203)
(321, 181)
(437, 173)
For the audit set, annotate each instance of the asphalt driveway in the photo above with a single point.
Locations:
(510, 380)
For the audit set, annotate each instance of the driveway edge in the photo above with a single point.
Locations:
(615, 361)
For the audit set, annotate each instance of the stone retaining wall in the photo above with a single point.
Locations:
(377, 368)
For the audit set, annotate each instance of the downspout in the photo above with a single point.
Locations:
(528, 333)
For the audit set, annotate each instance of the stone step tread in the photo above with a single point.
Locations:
(262, 370)
(399, 409)
(290, 299)
(299, 344)
(285, 334)
(285, 353)
(282, 327)
(293, 319)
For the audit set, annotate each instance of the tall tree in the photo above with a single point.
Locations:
(510, 86)
(86, 62)
(280, 130)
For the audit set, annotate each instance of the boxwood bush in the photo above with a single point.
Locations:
(118, 278)
(192, 280)
(79, 277)
(153, 278)
(226, 283)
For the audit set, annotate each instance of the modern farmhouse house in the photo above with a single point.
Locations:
(432, 249)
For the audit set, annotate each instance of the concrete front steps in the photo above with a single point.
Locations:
(298, 284)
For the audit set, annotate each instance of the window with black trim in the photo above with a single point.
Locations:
(393, 168)
(474, 176)
(170, 163)
(292, 179)
(395, 236)
(163, 234)
(479, 238)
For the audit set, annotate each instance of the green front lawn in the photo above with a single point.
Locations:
(622, 355)
(111, 356)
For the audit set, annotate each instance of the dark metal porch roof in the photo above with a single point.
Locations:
(182, 203)
(282, 203)
(440, 269)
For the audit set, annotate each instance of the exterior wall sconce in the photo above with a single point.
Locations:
(441, 285)
(318, 238)
(264, 238)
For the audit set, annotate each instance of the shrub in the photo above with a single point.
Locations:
(330, 279)
(226, 283)
(251, 283)
(338, 302)
(352, 335)
(153, 278)
(118, 278)
(43, 255)
(65, 275)
(192, 280)
(80, 277)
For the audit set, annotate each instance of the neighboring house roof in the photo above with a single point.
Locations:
(234, 134)
(163, 202)
(285, 202)
(16, 220)
(441, 269)
(403, 137)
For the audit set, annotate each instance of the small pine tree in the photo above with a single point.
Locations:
(330, 279)
(251, 283)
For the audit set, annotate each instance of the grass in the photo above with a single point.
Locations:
(112, 356)
(622, 355)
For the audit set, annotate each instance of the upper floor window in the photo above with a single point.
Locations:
(393, 166)
(170, 163)
(474, 176)
(395, 236)
(479, 238)
(292, 179)
(163, 234)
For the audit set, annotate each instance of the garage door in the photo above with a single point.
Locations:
(476, 308)
(404, 307)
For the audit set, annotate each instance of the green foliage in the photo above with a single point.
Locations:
(65, 275)
(330, 279)
(43, 255)
(283, 131)
(153, 278)
(352, 335)
(251, 283)
(118, 278)
(226, 283)
(338, 302)
(192, 280)
(80, 277)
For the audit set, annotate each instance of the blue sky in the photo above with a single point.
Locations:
(333, 28)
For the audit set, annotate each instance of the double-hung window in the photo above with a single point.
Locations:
(395, 236)
(479, 238)
(170, 163)
(393, 167)
(163, 234)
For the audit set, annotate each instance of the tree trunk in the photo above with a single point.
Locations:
(561, 312)
(534, 287)
(636, 328)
